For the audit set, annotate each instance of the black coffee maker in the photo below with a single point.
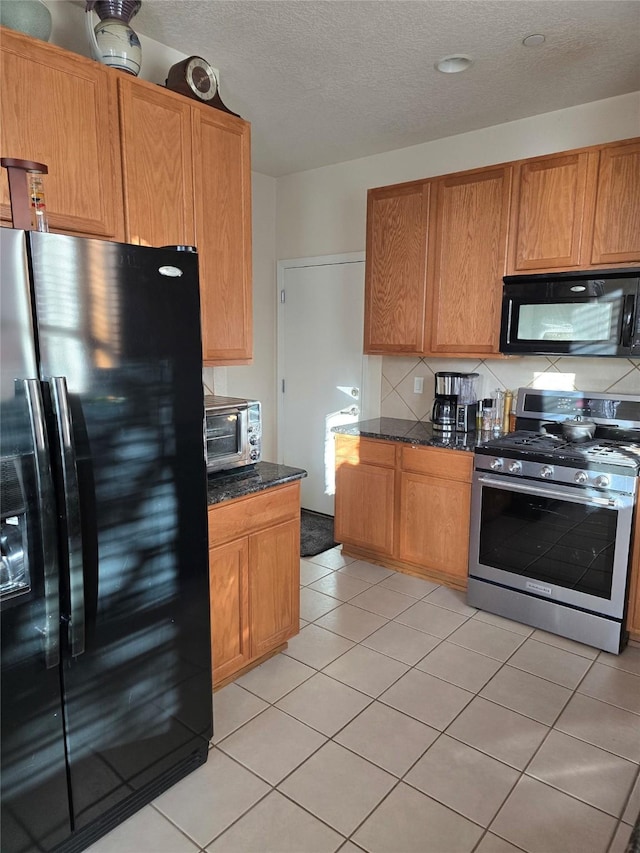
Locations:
(443, 416)
(455, 405)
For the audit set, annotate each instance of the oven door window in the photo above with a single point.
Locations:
(550, 540)
(223, 434)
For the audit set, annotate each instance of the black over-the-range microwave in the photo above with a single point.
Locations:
(575, 313)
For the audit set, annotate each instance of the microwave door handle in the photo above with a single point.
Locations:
(627, 320)
(67, 450)
(45, 499)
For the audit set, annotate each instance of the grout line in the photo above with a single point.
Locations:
(550, 727)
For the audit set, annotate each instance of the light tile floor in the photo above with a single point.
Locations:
(401, 720)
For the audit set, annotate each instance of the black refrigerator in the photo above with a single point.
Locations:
(104, 593)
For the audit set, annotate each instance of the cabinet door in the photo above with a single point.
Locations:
(274, 586)
(434, 524)
(229, 597)
(616, 234)
(548, 213)
(61, 110)
(364, 506)
(155, 132)
(222, 173)
(396, 268)
(471, 221)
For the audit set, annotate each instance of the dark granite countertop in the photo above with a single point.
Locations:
(411, 432)
(226, 485)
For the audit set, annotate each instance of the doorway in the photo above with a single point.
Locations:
(324, 379)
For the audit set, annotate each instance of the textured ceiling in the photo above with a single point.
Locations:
(324, 81)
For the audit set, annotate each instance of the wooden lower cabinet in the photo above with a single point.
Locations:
(364, 506)
(229, 598)
(434, 512)
(432, 527)
(274, 586)
(404, 506)
(365, 493)
(254, 571)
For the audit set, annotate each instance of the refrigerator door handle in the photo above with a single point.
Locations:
(46, 522)
(62, 412)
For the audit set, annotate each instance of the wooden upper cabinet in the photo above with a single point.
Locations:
(222, 175)
(468, 261)
(396, 268)
(187, 178)
(61, 110)
(616, 233)
(548, 212)
(156, 165)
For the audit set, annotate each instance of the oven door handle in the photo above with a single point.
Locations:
(548, 493)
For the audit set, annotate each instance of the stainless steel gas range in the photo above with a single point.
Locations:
(551, 520)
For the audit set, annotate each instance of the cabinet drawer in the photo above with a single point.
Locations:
(437, 462)
(242, 516)
(367, 450)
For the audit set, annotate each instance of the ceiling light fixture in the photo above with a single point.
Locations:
(453, 64)
(533, 40)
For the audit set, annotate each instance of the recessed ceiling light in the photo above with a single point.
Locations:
(454, 63)
(534, 40)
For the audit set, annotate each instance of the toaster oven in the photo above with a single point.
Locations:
(232, 432)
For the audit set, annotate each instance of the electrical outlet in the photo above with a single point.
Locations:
(418, 384)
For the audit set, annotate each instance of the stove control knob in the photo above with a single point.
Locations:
(515, 467)
(580, 477)
(496, 464)
(546, 471)
(602, 481)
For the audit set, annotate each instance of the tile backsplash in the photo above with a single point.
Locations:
(398, 400)
(214, 380)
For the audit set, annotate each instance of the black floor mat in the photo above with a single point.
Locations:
(316, 533)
